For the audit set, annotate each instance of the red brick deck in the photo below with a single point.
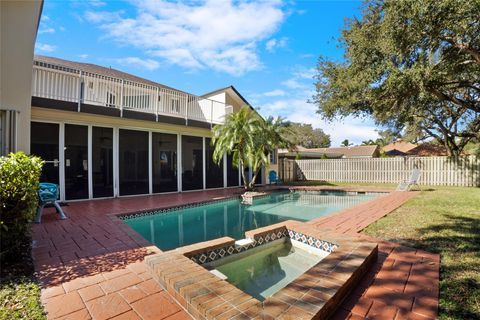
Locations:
(91, 265)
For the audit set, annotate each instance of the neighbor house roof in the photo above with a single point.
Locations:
(347, 152)
(93, 68)
(428, 149)
(297, 148)
(399, 146)
(356, 151)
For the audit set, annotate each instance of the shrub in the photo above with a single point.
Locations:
(19, 177)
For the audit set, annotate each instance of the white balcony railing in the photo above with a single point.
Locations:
(63, 83)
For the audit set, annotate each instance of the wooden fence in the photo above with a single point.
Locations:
(464, 171)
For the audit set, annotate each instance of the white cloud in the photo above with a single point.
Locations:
(102, 16)
(219, 35)
(302, 78)
(274, 44)
(298, 110)
(148, 64)
(83, 56)
(275, 93)
(46, 30)
(96, 3)
(293, 83)
(43, 47)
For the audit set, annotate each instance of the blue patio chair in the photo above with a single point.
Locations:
(273, 177)
(48, 194)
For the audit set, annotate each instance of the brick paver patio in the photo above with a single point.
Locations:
(91, 265)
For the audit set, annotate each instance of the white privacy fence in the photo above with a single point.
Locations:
(72, 85)
(463, 171)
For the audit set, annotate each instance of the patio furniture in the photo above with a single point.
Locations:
(48, 194)
(406, 185)
(273, 177)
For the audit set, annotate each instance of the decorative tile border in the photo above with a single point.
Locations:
(222, 252)
(169, 210)
(312, 242)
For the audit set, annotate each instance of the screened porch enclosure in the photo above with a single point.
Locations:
(90, 161)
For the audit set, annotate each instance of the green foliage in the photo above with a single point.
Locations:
(387, 136)
(20, 299)
(369, 142)
(411, 65)
(19, 177)
(473, 148)
(346, 143)
(250, 139)
(304, 135)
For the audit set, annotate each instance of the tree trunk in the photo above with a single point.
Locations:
(246, 184)
(452, 149)
(254, 178)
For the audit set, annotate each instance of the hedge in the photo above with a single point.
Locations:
(19, 178)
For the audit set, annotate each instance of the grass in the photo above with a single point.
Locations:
(446, 221)
(20, 299)
(19, 290)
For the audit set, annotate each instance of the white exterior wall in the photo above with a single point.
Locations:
(18, 30)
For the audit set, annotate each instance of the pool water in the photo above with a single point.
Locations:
(176, 228)
(269, 269)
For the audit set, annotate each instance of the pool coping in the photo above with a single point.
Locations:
(315, 294)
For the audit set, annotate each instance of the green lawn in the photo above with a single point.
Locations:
(20, 299)
(446, 221)
(19, 290)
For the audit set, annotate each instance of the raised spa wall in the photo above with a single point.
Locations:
(314, 295)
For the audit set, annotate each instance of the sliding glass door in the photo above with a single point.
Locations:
(192, 163)
(133, 162)
(214, 172)
(232, 173)
(102, 162)
(164, 162)
(76, 162)
(44, 140)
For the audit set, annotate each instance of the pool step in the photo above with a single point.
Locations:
(243, 242)
(220, 275)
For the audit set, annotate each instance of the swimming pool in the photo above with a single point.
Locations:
(170, 229)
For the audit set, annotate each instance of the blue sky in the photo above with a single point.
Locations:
(266, 49)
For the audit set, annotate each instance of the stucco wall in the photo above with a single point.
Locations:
(18, 27)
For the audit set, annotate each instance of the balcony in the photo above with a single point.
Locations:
(81, 88)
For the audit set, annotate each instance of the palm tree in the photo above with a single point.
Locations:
(273, 134)
(345, 143)
(368, 142)
(250, 139)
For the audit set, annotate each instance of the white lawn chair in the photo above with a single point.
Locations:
(406, 185)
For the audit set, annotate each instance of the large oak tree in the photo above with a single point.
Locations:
(412, 65)
(303, 134)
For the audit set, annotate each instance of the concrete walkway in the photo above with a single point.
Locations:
(91, 265)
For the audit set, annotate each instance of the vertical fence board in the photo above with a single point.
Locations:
(462, 171)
